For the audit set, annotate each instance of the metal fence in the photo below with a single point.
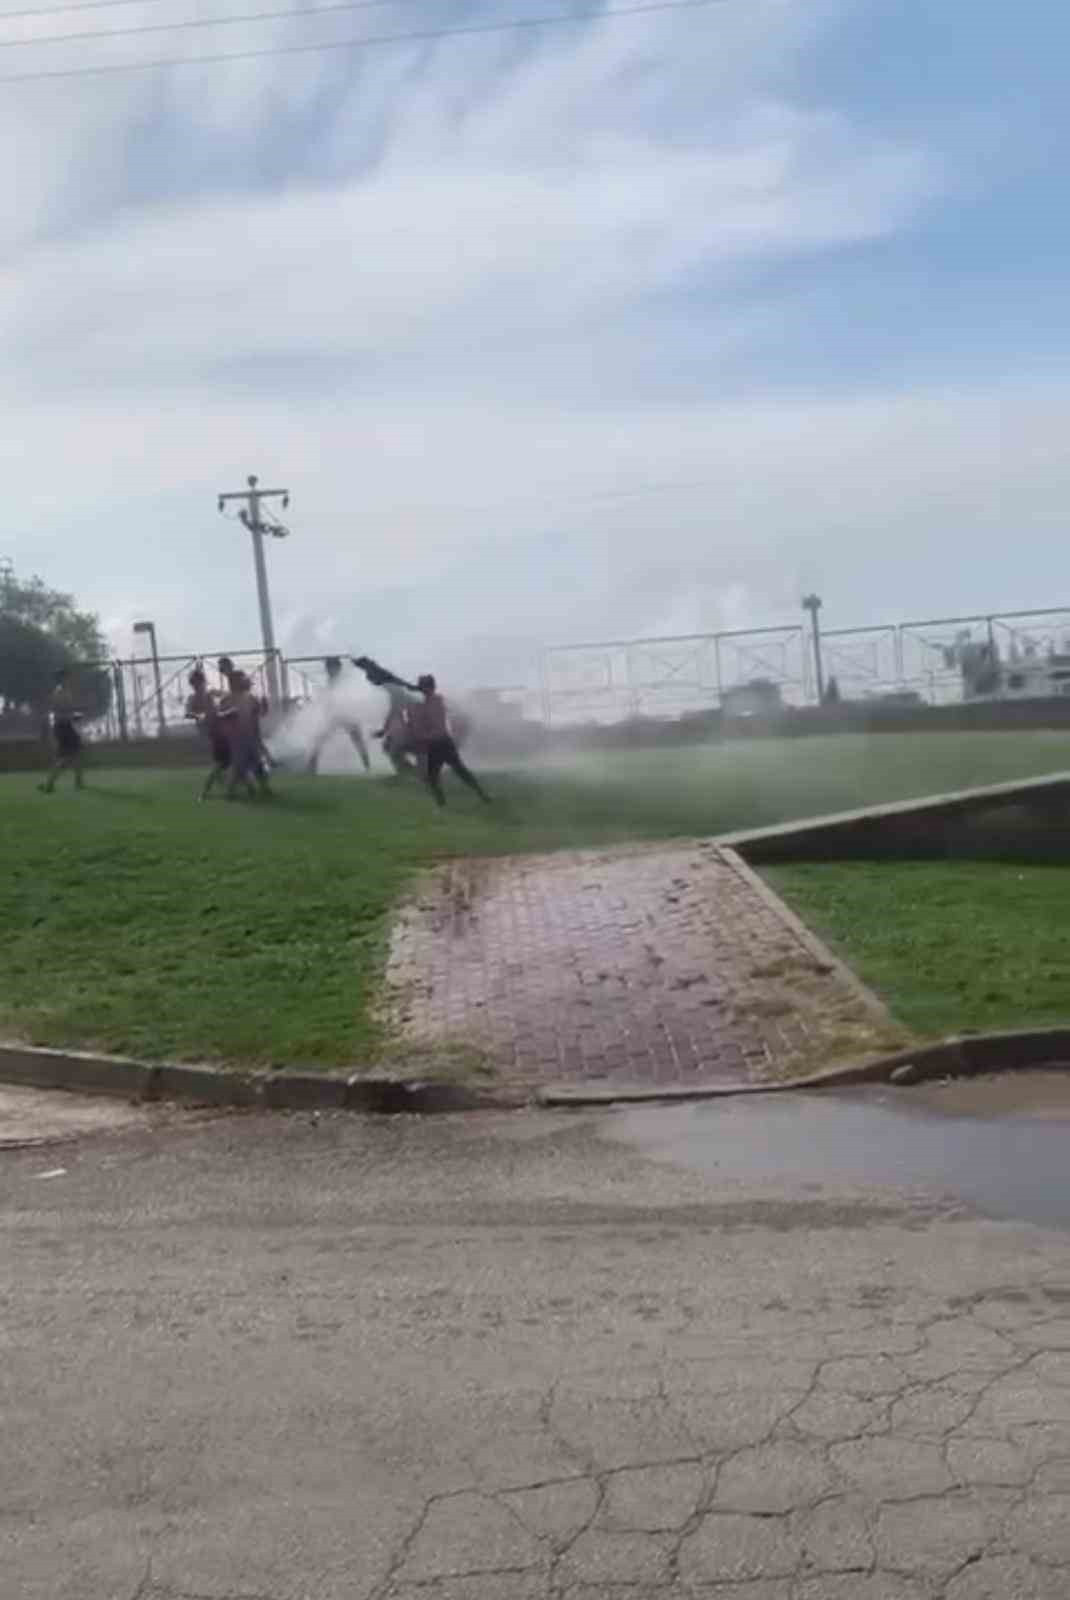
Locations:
(671, 674)
(150, 693)
(604, 681)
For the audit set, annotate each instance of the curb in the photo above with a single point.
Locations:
(794, 840)
(964, 1057)
(81, 1072)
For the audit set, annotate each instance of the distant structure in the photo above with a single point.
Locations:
(495, 721)
(1026, 674)
(761, 697)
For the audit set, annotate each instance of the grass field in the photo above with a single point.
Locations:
(133, 920)
(953, 946)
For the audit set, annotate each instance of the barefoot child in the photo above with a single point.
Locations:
(203, 708)
(240, 711)
(395, 732)
(430, 726)
(338, 718)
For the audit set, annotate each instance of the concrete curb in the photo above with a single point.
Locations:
(81, 1072)
(963, 1057)
(796, 840)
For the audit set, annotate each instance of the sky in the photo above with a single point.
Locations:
(621, 326)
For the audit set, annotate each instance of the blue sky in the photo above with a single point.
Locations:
(632, 326)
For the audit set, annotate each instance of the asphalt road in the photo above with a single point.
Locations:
(520, 1356)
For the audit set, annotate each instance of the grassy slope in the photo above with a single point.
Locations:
(953, 946)
(134, 920)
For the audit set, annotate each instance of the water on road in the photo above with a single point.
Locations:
(999, 1144)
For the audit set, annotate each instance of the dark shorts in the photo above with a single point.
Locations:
(220, 750)
(244, 756)
(68, 739)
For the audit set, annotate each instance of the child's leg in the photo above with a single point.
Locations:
(356, 738)
(452, 758)
(431, 766)
(58, 764)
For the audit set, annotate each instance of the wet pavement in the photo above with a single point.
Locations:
(542, 1356)
(667, 966)
(999, 1144)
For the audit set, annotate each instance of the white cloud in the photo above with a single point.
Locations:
(443, 325)
(440, 259)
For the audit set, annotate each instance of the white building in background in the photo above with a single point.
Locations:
(1027, 674)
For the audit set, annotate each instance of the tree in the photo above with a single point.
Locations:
(29, 661)
(40, 631)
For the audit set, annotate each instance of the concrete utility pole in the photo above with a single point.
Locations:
(250, 516)
(812, 603)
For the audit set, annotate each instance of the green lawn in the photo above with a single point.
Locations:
(133, 920)
(954, 946)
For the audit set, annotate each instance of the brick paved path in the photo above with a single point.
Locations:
(663, 965)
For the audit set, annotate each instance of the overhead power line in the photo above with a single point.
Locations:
(368, 41)
(104, 5)
(192, 22)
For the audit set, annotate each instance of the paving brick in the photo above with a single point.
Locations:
(650, 965)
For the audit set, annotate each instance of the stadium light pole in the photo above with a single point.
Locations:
(250, 516)
(150, 629)
(812, 603)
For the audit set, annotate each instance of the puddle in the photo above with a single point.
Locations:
(999, 1144)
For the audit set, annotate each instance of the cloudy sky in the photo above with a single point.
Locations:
(624, 326)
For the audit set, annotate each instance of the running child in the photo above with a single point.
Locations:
(68, 740)
(429, 722)
(338, 719)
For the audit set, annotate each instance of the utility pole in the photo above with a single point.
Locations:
(250, 515)
(812, 603)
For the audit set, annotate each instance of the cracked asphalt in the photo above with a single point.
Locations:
(517, 1357)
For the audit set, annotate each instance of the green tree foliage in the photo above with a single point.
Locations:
(41, 630)
(29, 659)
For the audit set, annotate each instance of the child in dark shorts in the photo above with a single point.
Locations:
(240, 714)
(201, 706)
(433, 737)
(68, 740)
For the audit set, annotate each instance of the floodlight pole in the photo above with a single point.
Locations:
(250, 516)
(150, 629)
(812, 603)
